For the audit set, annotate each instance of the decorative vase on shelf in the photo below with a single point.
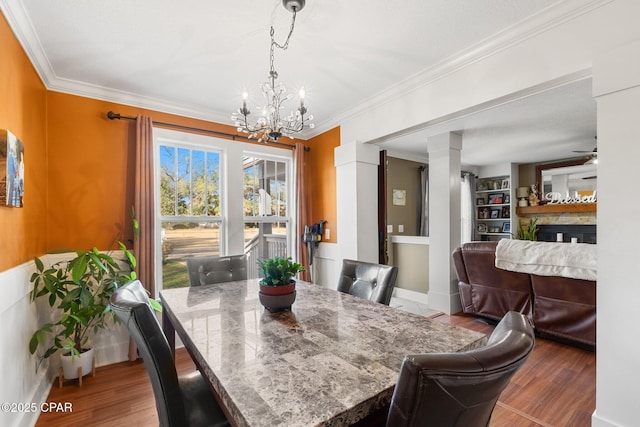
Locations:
(277, 287)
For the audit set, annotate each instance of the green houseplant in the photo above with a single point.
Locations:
(529, 231)
(277, 287)
(80, 289)
(279, 271)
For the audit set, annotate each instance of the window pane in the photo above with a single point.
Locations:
(263, 241)
(213, 184)
(167, 180)
(198, 183)
(181, 240)
(280, 190)
(189, 182)
(184, 182)
(265, 187)
(251, 185)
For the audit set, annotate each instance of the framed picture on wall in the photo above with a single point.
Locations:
(11, 170)
(506, 227)
(480, 201)
(399, 197)
(505, 183)
(495, 213)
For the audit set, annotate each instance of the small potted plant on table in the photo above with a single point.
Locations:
(277, 287)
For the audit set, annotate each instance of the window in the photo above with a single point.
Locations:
(265, 209)
(190, 206)
(218, 197)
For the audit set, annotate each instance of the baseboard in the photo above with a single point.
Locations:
(411, 295)
(597, 421)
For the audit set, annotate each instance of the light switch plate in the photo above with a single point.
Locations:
(400, 228)
(327, 234)
(390, 228)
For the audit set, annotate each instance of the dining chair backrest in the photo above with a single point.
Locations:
(131, 306)
(367, 280)
(208, 270)
(461, 389)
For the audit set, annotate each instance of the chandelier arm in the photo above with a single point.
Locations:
(271, 126)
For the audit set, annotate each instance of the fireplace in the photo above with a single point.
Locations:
(585, 233)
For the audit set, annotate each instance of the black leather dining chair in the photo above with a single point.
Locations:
(180, 401)
(367, 280)
(209, 269)
(461, 389)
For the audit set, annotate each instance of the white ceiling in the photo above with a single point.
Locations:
(194, 57)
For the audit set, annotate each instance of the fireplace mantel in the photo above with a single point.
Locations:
(556, 208)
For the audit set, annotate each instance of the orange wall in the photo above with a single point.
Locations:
(91, 170)
(323, 179)
(23, 113)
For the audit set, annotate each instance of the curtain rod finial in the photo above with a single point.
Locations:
(112, 116)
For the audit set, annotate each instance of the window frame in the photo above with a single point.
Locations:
(231, 180)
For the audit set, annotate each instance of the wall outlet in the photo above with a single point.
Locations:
(390, 228)
(401, 228)
(327, 234)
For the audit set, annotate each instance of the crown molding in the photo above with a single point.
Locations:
(23, 29)
(543, 21)
(539, 23)
(102, 93)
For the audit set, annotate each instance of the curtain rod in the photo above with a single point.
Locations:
(116, 116)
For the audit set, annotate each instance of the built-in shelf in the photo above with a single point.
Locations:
(556, 208)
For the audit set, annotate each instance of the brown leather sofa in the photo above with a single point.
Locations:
(558, 307)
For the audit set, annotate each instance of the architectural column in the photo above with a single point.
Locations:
(357, 200)
(444, 220)
(616, 87)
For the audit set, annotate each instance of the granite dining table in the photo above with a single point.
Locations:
(333, 360)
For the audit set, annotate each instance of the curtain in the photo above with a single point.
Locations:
(467, 207)
(302, 209)
(143, 206)
(424, 201)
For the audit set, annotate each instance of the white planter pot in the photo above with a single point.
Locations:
(70, 368)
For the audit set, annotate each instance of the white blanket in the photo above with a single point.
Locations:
(574, 260)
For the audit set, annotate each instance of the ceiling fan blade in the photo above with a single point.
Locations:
(594, 151)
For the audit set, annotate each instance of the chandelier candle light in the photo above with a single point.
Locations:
(271, 126)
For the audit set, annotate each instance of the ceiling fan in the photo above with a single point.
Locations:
(593, 155)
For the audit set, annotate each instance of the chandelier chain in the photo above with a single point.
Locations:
(275, 44)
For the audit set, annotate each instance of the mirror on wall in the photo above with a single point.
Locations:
(567, 177)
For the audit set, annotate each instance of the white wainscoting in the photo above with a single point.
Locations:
(19, 318)
(326, 265)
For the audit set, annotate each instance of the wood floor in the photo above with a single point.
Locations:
(555, 387)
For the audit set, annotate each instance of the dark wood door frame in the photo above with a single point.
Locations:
(383, 256)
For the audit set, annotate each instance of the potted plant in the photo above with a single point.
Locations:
(530, 231)
(80, 288)
(277, 287)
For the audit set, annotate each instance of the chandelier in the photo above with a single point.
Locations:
(271, 125)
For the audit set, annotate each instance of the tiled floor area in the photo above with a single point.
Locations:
(412, 306)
